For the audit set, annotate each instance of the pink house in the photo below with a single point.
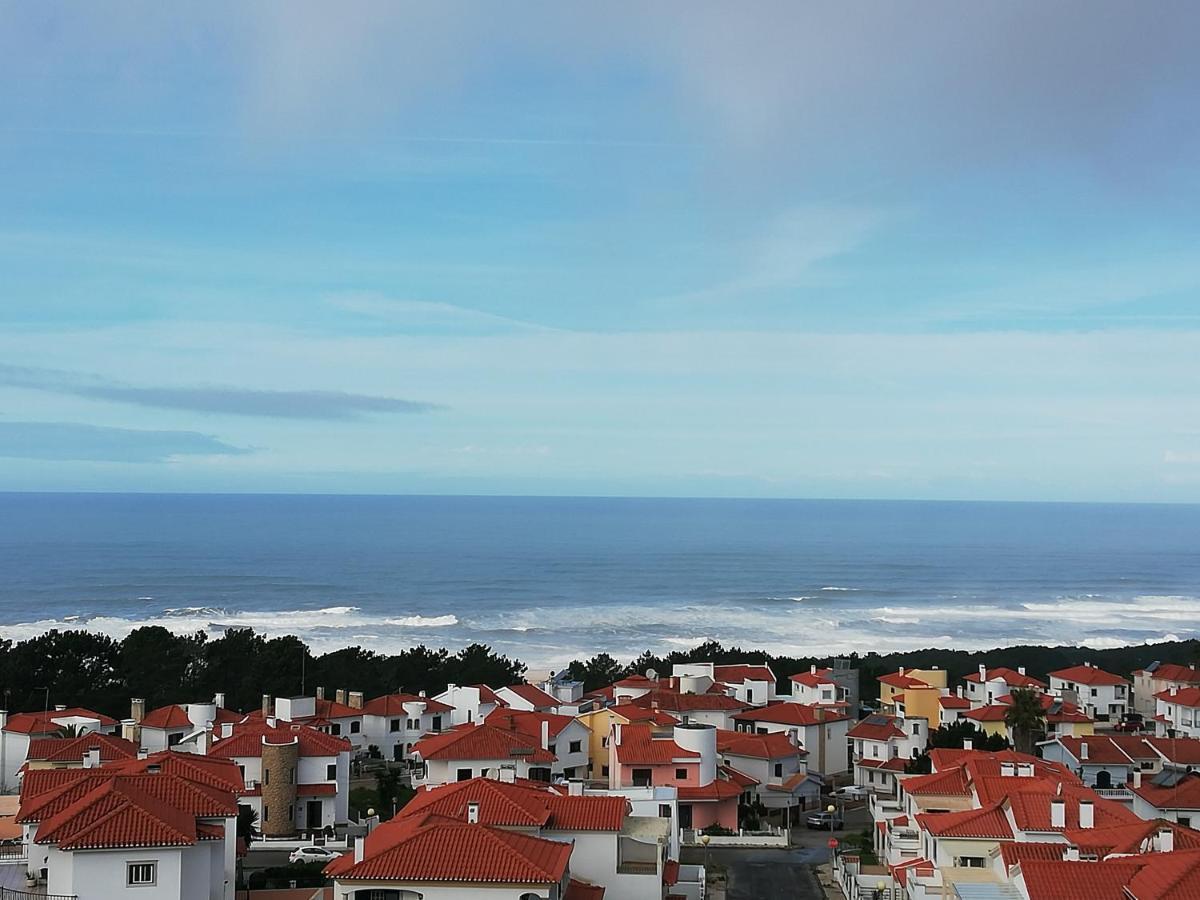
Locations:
(686, 760)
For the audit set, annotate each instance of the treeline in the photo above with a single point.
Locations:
(603, 669)
(79, 668)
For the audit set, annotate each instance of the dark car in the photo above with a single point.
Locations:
(826, 820)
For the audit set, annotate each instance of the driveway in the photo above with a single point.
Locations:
(764, 874)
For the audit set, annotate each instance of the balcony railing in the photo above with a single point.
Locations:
(14, 894)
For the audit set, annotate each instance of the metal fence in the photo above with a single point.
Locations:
(14, 894)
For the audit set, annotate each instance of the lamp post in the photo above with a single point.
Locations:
(831, 809)
(880, 886)
(704, 839)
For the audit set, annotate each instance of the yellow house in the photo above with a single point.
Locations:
(600, 721)
(892, 688)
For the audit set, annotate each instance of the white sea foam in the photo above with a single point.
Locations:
(836, 588)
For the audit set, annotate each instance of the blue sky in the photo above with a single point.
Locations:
(935, 250)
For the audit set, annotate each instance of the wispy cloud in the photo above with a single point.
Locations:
(74, 441)
(422, 315)
(212, 399)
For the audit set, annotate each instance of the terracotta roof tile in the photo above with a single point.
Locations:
(988, 822)
(520, 805)
(172, 716)
(638, 745)
(529, 722)
(743, 672)
(813, 679)
(672, 701)
(578, 890)
(483, 742)
(1060, 880)
(1009, 677)
(758, 746)
(73, 749)
(1168, 876)
(45, 722)
(393, 705)
(788, 713)
(247, 740)
(876, 728)
(533, 695)
(1188, 696)
(1088, 675)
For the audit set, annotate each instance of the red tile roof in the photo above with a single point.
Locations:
(1184, 795)
(1013, 852)
(632, 712)
(1188, 696)
(578, 890)
(1088, 675)
(44, 722)
(1173, 672)
(742, 672)
(1008, 676)
(741, 779)
(74, 749)
(321, 789)
(520, 806)
(331, 709)
(1182, 751)
(994, 713)
(676, 702)
(895, 679)
(172, 716)
(482, 742)
(757, 746)
(714, 791)
(875, 728)
(953, 701)
(529, 722)
(788, 713)
(1168, 876)
(1031, 809)
(247, 740)
(638, 746)
(813, 679)
(1133, 837)
(1060, 880)
(634, 681)
(1100, 749)
(988, 822)
(433, 849)
(533, 695)
(393, 705)
(951, 783)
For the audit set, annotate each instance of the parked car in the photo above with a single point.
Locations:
(851, 792)
(825, 820)
(313, 854)
(1129, 725)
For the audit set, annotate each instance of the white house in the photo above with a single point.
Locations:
(566, 737)
(297, 778)
(883, 745)
(470, 703)
(1172, 794)
(952, 707)
(1157, 678)
(17, 730)
(753, 684)
(817, 687)
(1178, 713)
(395, 722)
(172, 725)
(567, 693)
(340, 717)
(155, 827)
(820, 730)
(1099, 694)
(775, 765)
(527, 698)
(986, 686)
(473, 751)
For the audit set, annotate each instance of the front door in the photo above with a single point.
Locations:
(312, 815)
(685, 815)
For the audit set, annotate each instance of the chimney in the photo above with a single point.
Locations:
(1166, 841)
(60, 707)
(226, 729)
(421, 693)
(339, 696)
(1058, 813)
(575, 788)
(321, 692)
(1020, 670)
(355, 699)
(819, 713)
(1025, 769)
(545, 735)
(958, 691)
(1007, 769)
(91, 759)
(272, 721)
(206, 739)
(1071, 854)
(1174, 690)
(794, 736)
(900, 671)
(266, 705)
(360, 848)
(142, 753)
(153, 769)
(1083, 750)
(1087, 814)
(508, 775)
(812, 670)
(1137, 778)
(616, 733)
(982, 672)
(968, 744)
(473, 813)
(219, 699)
(137, 710)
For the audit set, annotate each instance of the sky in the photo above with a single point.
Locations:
(935, 250)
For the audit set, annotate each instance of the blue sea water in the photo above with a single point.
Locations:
(551, 579)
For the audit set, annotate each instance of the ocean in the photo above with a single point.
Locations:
(552, 579)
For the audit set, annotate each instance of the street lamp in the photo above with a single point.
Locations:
(704, 840)
(880, 886)
(831, 809)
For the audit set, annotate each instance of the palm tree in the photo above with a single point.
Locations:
(1025, 718)
(69, 731)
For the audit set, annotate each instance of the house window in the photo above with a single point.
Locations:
(331, 772)
(394, 725)
(641, 777)
(970, 862)
(664, 810)
(291, 813)
(575, 747)
(291, 776)
(604, 742)
(141, 873)
(680, 774)
(266, 776)
(916, 728)
(778, 770)
(553, 748)
(464, 774)
(266, 813)
(437, 723)
(604, 771)
(336, 729)
(173, 739)
(412, 724)
(355, 727)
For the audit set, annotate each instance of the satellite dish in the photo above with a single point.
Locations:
(651, 674)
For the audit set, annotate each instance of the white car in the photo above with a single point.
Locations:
(313, 854)
(851, 792)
